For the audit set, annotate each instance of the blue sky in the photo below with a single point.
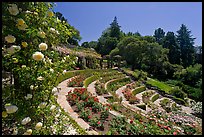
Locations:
(91, 18)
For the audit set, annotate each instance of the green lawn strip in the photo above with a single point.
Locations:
(138, 90)
(88, 80)
(114, 85)
(160, 85)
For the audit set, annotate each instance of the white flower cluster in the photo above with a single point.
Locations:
(197, 108)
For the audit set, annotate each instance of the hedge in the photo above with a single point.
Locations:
(88, 80)
(180, 101)
(142, 106)
(138, 90)
(117, 80)
(155, 97)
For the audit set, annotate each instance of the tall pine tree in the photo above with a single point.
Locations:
(170, 43)
(186, 42)
(159, 35)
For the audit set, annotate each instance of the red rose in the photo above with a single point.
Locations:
(175, 133)
(165, 127)
(131, 121)
(90, 108)
(99, 122)
(106, 108)
(89, 117)
(169, 128)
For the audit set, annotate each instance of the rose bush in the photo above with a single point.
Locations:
(33, 65)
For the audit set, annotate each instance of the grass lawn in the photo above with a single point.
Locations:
(159, 84)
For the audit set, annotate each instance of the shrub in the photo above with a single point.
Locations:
(179, 101)
(142, 106)
(138, 90)
(178, 93)
(155, 97)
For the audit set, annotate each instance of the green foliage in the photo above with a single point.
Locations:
(114, 85)
(138, 90)
(177, 92)
(180, 101)
(155, 97)
(191, 75)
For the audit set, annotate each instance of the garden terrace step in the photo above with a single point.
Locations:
(133, 107)
(119, 92)
(115, 113)
(106, 96)
(112, 81)
(91, 88)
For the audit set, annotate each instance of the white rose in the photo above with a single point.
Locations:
(11, 109)
(10, 39)
(28, 132)
(38, 56)
(54, 90)
(42, 105)
(29, 96)
(52, 30)
(40, 78)
(22, 27)
(38, 125)
(41, 34)
(13, 49)
(15, 131)
(31, 87)
(52, 107)
(64, 72)
(43, 46)
(25, 120)
(52, 70)
(23, 66)
(13, 9)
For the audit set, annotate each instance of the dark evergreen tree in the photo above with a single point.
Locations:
(159, 35)
(186, 42)
(170, 43)
(115, 29)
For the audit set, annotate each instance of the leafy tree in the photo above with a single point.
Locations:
(85, 44)
(109, 38)
(186, 42)
(93, 44)
(198, 54)
(60, 17)
(170, 43)
(159, 35)
(191, 75)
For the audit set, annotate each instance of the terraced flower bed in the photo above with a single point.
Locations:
(90, 110)
(114, 85)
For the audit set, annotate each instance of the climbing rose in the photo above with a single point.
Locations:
(13, 9)
(41, 34)
(38, 126)
(40, 78)
(52, 107)
(29, 96)
(10, 39)
(22, 27)
(43, 46)
(38, 56)
(4, 114)
(24, 44)
(11, 108)
(20, 22)
(42, 105)
(25, 120)
(54, 90)
(28, 132)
